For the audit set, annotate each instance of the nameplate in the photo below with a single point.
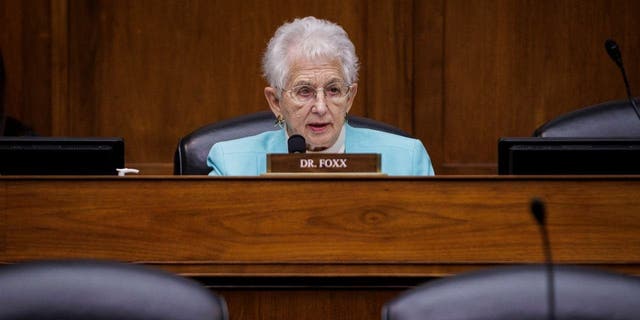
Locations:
(323, 162)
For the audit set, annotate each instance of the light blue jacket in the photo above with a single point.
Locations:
(400, 155)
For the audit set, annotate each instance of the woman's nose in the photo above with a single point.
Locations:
(320, 104)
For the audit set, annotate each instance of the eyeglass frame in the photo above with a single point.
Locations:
(315, 91)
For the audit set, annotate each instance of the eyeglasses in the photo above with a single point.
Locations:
(336, 92)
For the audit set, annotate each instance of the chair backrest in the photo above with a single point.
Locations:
(102, 290)
(612, 119)
(521, 293)
(190, 157)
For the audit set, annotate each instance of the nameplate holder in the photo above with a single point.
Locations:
(323, 162)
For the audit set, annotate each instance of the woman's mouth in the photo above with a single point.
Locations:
(317, 127)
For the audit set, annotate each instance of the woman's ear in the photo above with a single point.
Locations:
(352, 95)
(272, 98)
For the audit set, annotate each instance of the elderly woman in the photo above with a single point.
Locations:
(312, 70)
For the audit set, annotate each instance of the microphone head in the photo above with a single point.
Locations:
(614, 51)
(297, 144)
(538, 210)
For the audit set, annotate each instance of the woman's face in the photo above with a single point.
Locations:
(314, 102)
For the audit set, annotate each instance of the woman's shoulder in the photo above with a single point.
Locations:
(367, 135)
(265, 141)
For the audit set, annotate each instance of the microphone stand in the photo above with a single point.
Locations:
(614, 53)
(539, 213)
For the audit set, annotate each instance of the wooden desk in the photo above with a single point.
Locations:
(370, 236)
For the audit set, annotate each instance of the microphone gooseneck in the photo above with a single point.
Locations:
(539, 213)
(297, 144)
(614, 53)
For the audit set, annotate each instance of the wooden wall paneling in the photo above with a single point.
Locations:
(153, 72)
(156, 71)
(59, 68)
(307, 303)
(36, 50)
(10, 44)
(512, 65)
(26, 42)
(581, 70)
(476, 36)
(389, 58)
(573, 68)
(428, 89)
(85, 37)
(458, 75)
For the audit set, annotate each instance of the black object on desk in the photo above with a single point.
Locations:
(61, 155)
(540, 156)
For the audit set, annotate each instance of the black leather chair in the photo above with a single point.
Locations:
(190, 157)
(102, 290)
(520, 292)
(612, 119)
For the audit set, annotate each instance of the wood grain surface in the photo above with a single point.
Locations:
(358, 226)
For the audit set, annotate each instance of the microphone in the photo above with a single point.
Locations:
(297, 144)
(539, 213)
(614, 53)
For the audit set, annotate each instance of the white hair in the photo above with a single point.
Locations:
(310, 38)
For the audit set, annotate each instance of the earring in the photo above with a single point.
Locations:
(279, 121)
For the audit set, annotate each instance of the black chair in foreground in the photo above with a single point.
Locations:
(520, 292)
(612, 119)
(102, 290)
(190, 157)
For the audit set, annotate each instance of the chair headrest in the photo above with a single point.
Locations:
(611, 119)
(520, 292)
(91, 289)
